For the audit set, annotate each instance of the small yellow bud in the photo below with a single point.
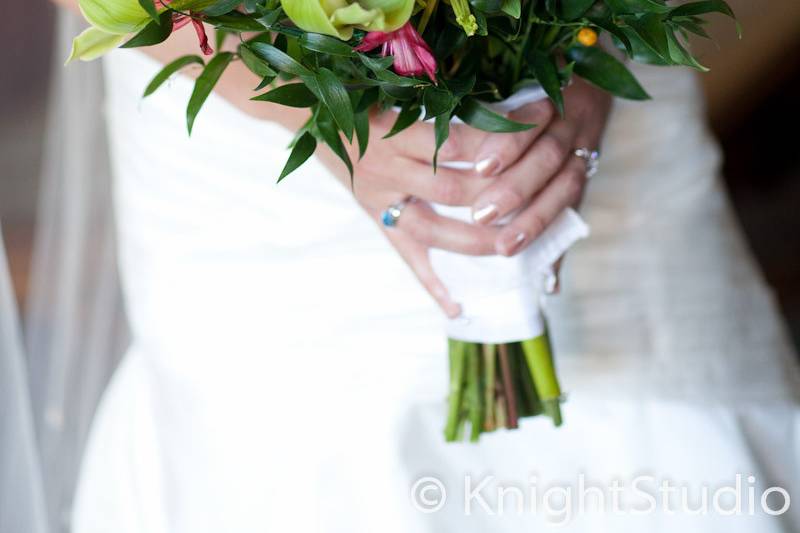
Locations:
(587, 37)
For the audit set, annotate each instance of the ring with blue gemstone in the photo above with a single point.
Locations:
(391, 214)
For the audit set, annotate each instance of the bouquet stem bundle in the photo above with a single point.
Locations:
(494, 385)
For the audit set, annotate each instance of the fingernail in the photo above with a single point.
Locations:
(488, 166)
(510, 245)
(485, 214)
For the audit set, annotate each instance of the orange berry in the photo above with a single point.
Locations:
(587, 37)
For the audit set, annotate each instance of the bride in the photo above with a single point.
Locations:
(287, 368)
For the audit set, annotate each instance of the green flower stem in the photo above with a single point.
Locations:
(474, 390)
(550, 36)
(540, 361)
(530, 397)
(456, 389)
(500, 414)
(508, 387)
(489, 390)
(464, 17)
(430, 7)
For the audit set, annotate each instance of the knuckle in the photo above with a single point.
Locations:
(536, 223)
(417, 227)
(510, 151)
(551, 151)
(448, 191)
(452, 148)
(478, 247)
(547, 111)
(512, 197)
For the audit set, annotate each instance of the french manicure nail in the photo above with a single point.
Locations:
(510, 246)
(485, 214)
(488, 166)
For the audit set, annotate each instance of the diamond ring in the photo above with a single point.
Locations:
(592, 158)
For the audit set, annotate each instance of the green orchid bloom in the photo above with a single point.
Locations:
(112, 21)
(338, 18)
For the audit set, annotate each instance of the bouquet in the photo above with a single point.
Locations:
(470, 61)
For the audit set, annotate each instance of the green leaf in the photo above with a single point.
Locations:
(642, 52)
(441, 130)
(221, 7)
(652, 30)
(487, 6)
(325, 45)
(408, 115)
(573, 9)
(219, 38)
(400, 81)
(546, 71)
(362, 131)
(461, 87)
(399, 93)
(169, 70)
(330, 134)
(302, 150)
(278, 59)
(693, 27)
(622, 7)
(334, 96)
(437, 101)
(205, 84)
(511, 8)
(235, 22)
(264, 83)
(376, 63)
(292, 95)
(255, 64)
(680, 55)
(150, 7)
(605, 71)
(704, 7)
(153, 33)
(367, 100)
(701, 8)
(478, 116)
(607, 24)
(271, 18)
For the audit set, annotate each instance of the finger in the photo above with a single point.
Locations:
(416, 256)
(501, 150)
(555, 287)
(418, 141)
(446, 186)
(563, 191)
(515, 187)
(421, 222)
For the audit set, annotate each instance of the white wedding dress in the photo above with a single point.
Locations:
(288, 373)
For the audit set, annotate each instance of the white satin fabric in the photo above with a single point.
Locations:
(287, 372)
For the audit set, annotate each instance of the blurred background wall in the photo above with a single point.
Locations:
(753, 102)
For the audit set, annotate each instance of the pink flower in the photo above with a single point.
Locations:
(412, 55)
(180, 20)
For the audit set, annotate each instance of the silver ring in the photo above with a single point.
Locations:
(391, 214)
(592, 158)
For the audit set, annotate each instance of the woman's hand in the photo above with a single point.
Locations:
(544, 177)
(535, 170)
(398, 167)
